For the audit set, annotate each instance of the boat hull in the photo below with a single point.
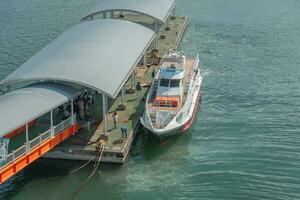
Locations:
(190, 122)
(180, 129)
(166, 122)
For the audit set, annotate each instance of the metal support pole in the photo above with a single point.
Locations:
(104, 111)
(132, 80)
(145, 61)
(104, 15)
(72, 111)
(51, 124)
(156, 32)
(27, 138)
(111, 14)
(134, 77)
(168, 24)
(123, 95)
(174, 10)
(163, 29)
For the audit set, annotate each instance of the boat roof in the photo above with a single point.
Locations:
(168, 91)
(167, 73)
(158, 10)
(22, 106)
(99, 54)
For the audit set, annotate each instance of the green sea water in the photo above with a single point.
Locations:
(245, 142)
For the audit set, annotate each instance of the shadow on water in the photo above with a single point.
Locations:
(148, 145)
(45, 170)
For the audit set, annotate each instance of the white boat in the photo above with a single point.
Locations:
(174, 96)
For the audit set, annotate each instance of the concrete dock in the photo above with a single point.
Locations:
(82, 146)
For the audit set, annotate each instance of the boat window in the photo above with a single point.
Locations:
(174, 83)
(164, 82)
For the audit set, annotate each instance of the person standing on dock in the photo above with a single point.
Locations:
(85, 99)
(76, 108)
(124, 131)
(90, 100)
(88, 120)
(138, 88)
(66, 114)
(115, 119)
(81, 108)
(153, 74)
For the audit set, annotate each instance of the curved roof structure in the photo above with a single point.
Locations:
(22, 106)
(99, 54)
(156, 9)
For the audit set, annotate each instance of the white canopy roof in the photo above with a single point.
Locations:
(156, 9)
(24, 105)
(99, 54)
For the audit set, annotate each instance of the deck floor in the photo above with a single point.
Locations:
(86, 140)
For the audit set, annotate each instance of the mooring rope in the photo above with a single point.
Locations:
(99, 155)
(82, 166)
(57, 177)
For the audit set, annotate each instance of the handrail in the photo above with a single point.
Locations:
(186, 107)
(16, 154)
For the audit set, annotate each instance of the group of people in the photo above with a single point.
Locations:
(82, 105)
(64, 112)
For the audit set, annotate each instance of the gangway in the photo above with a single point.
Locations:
(35, 148)
(19, 119)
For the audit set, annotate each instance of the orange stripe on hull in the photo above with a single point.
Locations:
(13, 168)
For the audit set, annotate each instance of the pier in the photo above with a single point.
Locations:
(111, 50)
(82, 146)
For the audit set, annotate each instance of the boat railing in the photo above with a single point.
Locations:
(189, 96)
(26, 148)
(20, 151)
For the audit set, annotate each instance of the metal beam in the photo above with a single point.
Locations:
(27, 138)
(104, 112)
(134, 77)
(145, 60)
(123, 95)
(156, 32)
(51, 124)
(72, 111)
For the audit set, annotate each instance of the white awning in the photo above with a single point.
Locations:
(159, 10)
(24, 105)
(99, 54)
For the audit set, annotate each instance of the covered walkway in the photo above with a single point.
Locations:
(22, 111)
(98, 55)
(22, 106)
(153, 14)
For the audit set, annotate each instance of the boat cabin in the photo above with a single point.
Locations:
(170, 81)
